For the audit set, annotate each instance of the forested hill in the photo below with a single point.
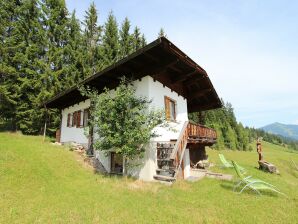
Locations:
(232, 134)
(286, 130)
(45, 49)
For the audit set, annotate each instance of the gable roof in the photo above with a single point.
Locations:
(161, 60)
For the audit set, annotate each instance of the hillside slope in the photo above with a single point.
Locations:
(286, 130)
(42, 183)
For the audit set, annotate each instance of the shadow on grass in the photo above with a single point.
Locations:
(229, 185)
(115, 176)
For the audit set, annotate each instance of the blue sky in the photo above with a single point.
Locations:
(249, 48)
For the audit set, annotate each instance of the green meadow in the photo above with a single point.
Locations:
(44, 183)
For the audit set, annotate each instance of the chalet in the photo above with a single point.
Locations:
(163, 73)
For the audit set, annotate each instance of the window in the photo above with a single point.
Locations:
(170, 109)
(78, 118)
(85, 117)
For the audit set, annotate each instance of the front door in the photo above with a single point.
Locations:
(116, 163)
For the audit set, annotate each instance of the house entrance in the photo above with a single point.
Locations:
(116, 163)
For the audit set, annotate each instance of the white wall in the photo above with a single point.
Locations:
(154, 91)
(105, 160)
(74, 134)
(186, 161)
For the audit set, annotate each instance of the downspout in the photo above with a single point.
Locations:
(45, 123)
(90, 151)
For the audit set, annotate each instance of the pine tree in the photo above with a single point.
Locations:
(9, 41)
(31, 67)
(110, 43)
(161, 33)
(55, 22)
(75, 52)
(137, 39)
(143, 42)
(92, 40)
(125, 41)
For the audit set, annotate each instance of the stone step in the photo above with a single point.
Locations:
(166, 170)
(167, 159)
(164, 178)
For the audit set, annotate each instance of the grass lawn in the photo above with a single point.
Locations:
(43, 183)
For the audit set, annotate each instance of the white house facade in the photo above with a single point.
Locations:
(177, 85)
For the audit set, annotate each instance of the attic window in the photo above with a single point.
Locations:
(170, 109)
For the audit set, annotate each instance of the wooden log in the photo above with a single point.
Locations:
(266, 166)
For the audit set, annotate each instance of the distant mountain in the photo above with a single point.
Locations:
(286, 130)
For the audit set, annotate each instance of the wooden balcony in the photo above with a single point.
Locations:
(170, 157)
(201, 134)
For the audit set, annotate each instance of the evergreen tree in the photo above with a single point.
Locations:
(30, 67)
(137, 39)
(161, 33)
(92, 40)
(125, 41)
(110, 44)
(56, 21)
(75, 52)
(143, 42)
(9, 41)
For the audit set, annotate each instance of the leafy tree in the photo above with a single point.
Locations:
(124, 121)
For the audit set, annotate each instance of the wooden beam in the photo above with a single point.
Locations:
(151, 57)
(156, 69)
(198, 94)
(197, 108)
(195, 79)
(183, 77)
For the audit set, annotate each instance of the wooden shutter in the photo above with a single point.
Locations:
(86, 117)
(68, 120)
(78, 118)
(167, 108)
(74, 119)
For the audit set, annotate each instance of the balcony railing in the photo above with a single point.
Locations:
(190, 133)
(201, 134)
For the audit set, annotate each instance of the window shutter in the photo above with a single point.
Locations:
(78, 119)
(74, 119)
(86, 117)
(68, 120)
(167, 108)
(174, 108)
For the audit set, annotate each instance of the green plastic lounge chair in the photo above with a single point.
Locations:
(251, 183)
(227, 164)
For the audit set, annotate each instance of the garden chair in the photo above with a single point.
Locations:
(227, 164)
(254, 184)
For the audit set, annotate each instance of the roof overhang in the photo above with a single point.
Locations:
(161, 60)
